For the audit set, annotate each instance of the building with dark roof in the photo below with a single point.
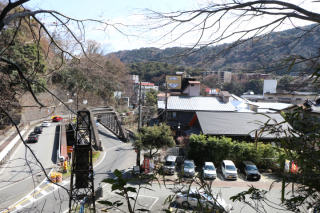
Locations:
(238, 125)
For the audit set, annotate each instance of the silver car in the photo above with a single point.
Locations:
(188, 168)
(195, 199)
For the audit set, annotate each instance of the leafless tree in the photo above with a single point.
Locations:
(46, 30)
(240, 21)
(236, 21)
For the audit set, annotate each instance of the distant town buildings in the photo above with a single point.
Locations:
(270, 94)
(223, 76)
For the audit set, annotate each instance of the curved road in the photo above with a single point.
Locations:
(22, 173)
(50, 198)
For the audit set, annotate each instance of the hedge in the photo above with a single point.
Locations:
(216, 149)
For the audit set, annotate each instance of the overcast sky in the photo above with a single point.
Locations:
(130, 12)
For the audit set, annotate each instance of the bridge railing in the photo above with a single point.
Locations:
(111, 121)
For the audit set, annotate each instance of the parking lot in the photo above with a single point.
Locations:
(263, 183)
(155, 198)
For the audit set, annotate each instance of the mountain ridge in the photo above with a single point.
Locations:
(271, 53)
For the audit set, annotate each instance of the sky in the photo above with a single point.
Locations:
(136, 33)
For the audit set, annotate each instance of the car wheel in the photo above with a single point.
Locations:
(185, 205)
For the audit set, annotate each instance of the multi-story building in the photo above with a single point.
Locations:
(223, 76)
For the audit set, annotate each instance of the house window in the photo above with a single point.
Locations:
(174, 114)
(270, 97)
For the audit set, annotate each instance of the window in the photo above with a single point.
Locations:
(174, 114)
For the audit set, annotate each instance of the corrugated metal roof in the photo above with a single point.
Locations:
(187, 103)
(271, 105)
(236, 124)
(194, 82)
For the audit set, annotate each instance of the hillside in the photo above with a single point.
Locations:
(267, 54)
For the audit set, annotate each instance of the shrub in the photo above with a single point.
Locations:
(216, 149)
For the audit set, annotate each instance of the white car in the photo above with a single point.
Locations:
(209, 171)
(201, 200)
(45, 124)
(229, 170)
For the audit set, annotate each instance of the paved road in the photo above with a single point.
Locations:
(51, 198)
(118, 155)
(155, 199)
(22, 173)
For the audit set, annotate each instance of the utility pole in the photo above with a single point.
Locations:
(139, 124)
(166, 103)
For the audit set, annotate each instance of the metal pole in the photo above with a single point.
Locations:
(139, 124)
(166, 104)
(77, 101)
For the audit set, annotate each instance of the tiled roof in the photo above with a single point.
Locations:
(187, 103)
(236, 124)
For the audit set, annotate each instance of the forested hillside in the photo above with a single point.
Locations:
(270, 53)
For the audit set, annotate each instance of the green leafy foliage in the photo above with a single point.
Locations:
(216, 149)
(121, 186)
(151, 98)
(154, 137)
(156, 71)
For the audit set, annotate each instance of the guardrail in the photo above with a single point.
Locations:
(62, 147)
(10, 146)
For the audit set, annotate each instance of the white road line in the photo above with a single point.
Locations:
(156, 200)
(36, 189)
(66, 182)
(18, 207)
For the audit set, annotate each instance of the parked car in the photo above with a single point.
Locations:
(209, 171)
(250, 170)
(37, 130)
(45, 124)
(57, 119)
(188, 168)
(32, 133)
(170, 165)
(32, 138)
(229, 170)
(201, 200)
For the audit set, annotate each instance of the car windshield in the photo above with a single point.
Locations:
(251, 168)
(209, 167)
(169, 163)
(230, 167)
(188, 165)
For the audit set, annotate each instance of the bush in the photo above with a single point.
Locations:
(216, 149)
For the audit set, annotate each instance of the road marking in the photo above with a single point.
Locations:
(30, 197)
(27, 198)
(156, 200)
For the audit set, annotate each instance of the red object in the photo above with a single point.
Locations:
(57, 119)
(147, 84)
(193, 120)
(146, 165)
(294, 167)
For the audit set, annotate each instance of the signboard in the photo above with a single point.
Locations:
(69, 149)
(173, 81)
